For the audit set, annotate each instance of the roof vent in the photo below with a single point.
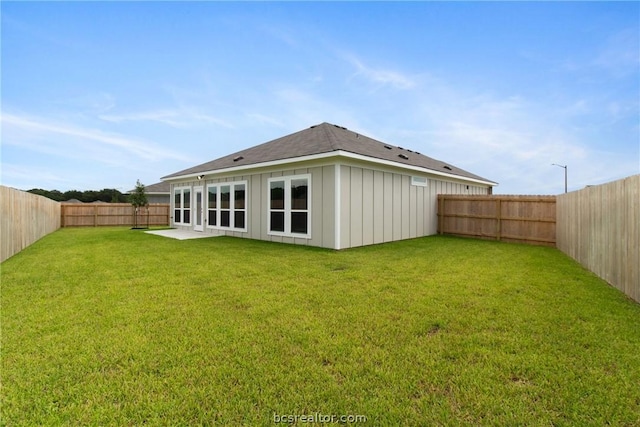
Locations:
(235, 159)
(447, 167)
(387, 147)
(402, 156)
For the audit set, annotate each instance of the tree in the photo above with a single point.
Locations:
(138, 199)
(53, 195)
(109, 195)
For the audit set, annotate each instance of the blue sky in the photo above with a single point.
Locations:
(97, 95)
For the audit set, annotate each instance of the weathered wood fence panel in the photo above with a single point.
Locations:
(25, 218)
(107, 214)
(524, 219)
(599, 227)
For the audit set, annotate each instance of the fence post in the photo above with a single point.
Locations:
(440, 214)
(498, 218)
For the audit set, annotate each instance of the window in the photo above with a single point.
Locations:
(289, 203)
(212, 203)
(226, 205)
(420, 181)
(182, 205)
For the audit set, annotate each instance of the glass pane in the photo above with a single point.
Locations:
(238, 218)
(212, 218)
(198, 212)
(187, 216)
(176, 215)
(225, 195)
(299, 194)
(224, 218)
(213, 197)
(277, 221)
(176, 199)
(187, 199)
(299, 222)
(277, 195)
(239, 196)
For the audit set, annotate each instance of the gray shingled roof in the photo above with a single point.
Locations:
(325, 138)
(158, 187)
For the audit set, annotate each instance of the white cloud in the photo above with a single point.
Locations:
(27, 177)
(621, 53)
(381, 76)
(264, 119)
(67, 140)
(177, 118)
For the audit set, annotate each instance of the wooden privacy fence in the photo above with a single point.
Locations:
(25, 218)
(599, 227)
(106, 214)
(524, 219)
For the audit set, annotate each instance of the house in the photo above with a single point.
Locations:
(324, 186)
(157, 193)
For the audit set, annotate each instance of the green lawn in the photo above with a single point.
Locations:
(117, 327)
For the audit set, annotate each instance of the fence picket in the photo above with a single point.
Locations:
(599, 227)
(108, 214)
(25, 218)
(527, 219)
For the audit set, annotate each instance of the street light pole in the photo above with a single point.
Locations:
(565, 174)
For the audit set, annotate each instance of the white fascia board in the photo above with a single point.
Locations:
(254, 166)
(411, 167)
(337, 153)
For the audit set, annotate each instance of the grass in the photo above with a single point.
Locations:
(117, 327)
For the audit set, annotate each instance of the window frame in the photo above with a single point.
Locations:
(232, 209)
(181, 190)
(288, 211)
(418, 181)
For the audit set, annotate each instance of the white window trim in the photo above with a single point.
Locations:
(232, 208)
(418, 181)
(181, 189)
(287, 206)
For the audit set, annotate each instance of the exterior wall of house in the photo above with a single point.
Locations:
(322, 202)
(378, 206)
(373, 204)
(158, 198)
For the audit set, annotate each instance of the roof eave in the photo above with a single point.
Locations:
(415, 168)
(336, 153)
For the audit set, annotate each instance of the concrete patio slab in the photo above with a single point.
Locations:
(180, 234)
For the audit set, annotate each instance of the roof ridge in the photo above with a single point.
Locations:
(328, 129)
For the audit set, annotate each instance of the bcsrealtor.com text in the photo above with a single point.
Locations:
(318, 418)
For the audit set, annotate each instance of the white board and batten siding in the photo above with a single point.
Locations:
(379, 206)
(351, 203)
(322, 201)
(321, 206)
